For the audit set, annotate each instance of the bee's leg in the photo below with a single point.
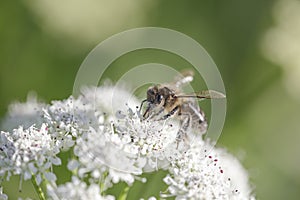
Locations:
(146, 113)
(150, 113)
(171, 113)
(154, 114)
(184, 125)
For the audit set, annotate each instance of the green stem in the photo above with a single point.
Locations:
(37, 188)
(123, 195)
(102, 183)
(73, 157)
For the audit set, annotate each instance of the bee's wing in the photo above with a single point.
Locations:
(205, 94)
(210, 94)
(184, 77)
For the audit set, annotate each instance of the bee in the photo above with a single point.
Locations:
(167, 100)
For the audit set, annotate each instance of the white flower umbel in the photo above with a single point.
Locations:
(98, 152)
(69, 118)
(23, 114)
(28, 152)
(98, 149)
(76, 190)
(216, 175)
(126, 148)
(148, 139)
(109, 99)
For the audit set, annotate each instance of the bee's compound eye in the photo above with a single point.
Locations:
(159, 98)
(151, 92)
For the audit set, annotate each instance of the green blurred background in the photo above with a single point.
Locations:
(254, 44)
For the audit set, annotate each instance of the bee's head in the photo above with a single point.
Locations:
(154, 96)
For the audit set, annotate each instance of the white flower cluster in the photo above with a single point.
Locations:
(125, 148)
(28, 152)
(111, 143)
(212, 175)
(25, 114)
